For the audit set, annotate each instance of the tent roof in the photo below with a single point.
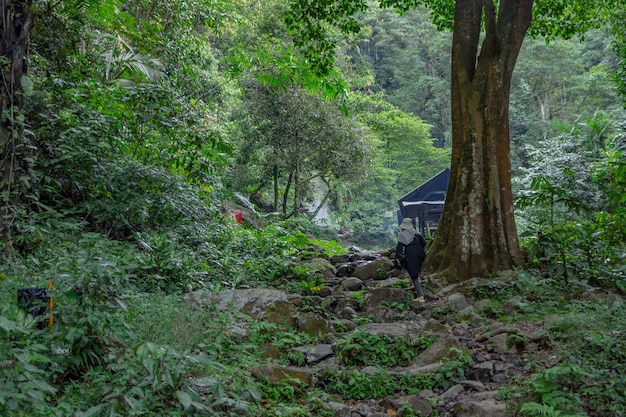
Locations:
(433, 189)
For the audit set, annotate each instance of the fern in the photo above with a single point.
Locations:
(543, 410)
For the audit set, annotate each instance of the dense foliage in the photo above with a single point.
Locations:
(144, 120)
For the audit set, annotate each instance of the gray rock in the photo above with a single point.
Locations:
(500, 344)
(417, 406)
(280, 374)
(445, 348)
(373, 270)
(512, 306)
(382, 314)
(282, 313)
(254, 302)
(464, 287)
(399, 329)
(468, 311)
(457, 302)
(320, 266)
(332, 281)
(337, 409)
(501, 366)
(345, 325)
(452, 392)
(351, 284)
(340, 259)
(347, 313)
(499, 378)
(325, 291)
(360, 255)
(316, 353)
(486, 408)
(416, 369)
(364, 409)
(427, 394)
(489, 366)
(346, 302)
(480, 305)
(345, 270)
(314, 326)
(485, 395)
(385, 297)
(473, 385)
(392, 281)
(448, 289)
(370, 370)
(435, 326)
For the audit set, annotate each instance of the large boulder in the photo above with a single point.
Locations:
(445, 348)
(485, 408)
(314, 326)
(351, 284)
(316, 353)
(320, 266)
(257, 303)
(375, 269)
(385, 297)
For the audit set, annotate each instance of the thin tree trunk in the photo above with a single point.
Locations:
(477, 234)
(16, 24)
(276, 193)
(297, 190)
(286, 194)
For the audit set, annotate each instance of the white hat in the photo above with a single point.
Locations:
(406, 224)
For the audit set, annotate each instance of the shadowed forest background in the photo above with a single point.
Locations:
(144, 125)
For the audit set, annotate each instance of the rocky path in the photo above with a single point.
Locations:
(363, 293)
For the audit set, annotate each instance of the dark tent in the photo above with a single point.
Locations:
(425, 203)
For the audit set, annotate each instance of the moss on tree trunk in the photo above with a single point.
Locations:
(477, 233)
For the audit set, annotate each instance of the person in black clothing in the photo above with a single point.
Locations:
(410, 252)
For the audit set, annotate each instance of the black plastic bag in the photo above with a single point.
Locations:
(34, 301)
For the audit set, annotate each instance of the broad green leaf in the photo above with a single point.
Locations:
(185, 399)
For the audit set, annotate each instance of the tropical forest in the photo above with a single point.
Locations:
(201, 205)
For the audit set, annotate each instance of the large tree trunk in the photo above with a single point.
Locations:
(16, 24)
(477, 233)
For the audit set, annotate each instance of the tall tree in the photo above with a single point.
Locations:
(557, 84)
(619, 31)
(477, 233)
(409, 57)
(295, 139)
(406, 147)
(17, 21)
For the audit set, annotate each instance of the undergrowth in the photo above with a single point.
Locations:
(124, 343)
(581, 371)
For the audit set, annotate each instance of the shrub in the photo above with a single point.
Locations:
(361, 348)
(360, 386)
